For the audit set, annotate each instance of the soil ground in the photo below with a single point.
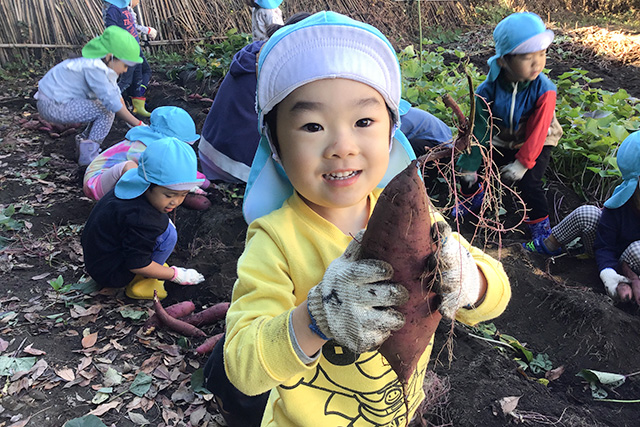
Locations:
(558, 308)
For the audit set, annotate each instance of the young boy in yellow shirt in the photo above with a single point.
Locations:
(299, 350)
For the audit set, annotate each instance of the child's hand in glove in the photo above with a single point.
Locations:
(513, 172)
(153, 33)
(186, 276)
(352, 304)
(457, 276)
(611, 280)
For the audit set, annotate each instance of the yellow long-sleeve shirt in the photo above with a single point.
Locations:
(286, 254)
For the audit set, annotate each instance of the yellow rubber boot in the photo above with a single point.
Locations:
(142, 288)
(138, 106)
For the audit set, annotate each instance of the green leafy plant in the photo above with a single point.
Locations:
(212, 60)
(7, 222)
(536, 363)
(59, 287)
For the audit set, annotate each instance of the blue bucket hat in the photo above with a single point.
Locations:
(166, 121)
(324, 45)
(628, 158)
(518, 33)
(119, 3)
(268, 4)
(168, 162)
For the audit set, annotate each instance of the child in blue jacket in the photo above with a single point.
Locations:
(521, 105)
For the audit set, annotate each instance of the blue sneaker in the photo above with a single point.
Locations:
(538, 246)
(541, 229)
(468, 204)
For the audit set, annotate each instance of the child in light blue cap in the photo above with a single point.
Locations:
(611, 234)
(307, 314)
(106, 169)
(521, 106)
(129, 236)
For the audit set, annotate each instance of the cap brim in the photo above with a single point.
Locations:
(131, 185)
(622, 193)
(404, 107)
(184, 185)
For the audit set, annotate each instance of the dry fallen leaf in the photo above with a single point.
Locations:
(554, 374)
(105, 407)
(89, 340)
(65, 373)
(508, 404)
(33, 351)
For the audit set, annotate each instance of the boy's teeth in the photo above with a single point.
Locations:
(340, 175)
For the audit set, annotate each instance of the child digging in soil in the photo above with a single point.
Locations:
(328, 111)
(522, 104)
(106, 169)
(611, 234)
(84, 90)
(133, 83)
(129, 236)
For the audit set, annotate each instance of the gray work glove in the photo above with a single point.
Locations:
(513, 172)
(457, 276)
(352, 304)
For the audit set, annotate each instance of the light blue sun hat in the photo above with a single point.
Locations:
(628, 159)
(119, 3)
(268, 4)
(324, 45)
(166, 121)
(168, 162)
(518, 33)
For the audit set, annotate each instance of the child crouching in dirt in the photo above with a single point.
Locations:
(522, 104)
(105, 170)
(611, 234)
(85, 90)
(129, 236)
(329, 112)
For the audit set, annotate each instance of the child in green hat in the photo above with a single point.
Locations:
(129, 236)
(85, 89)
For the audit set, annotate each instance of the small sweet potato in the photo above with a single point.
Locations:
(208, 316)
(207, 346)
(196, 202)
(178, 310)
(174, 324)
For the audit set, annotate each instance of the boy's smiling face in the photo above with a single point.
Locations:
(164, 199)
(333, 137)
(524, 67)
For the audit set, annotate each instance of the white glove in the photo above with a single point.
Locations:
(352, 303)
(186, 276)
(153, 33)
(469, 177)
(611, 280)
(458, 279)
(514, 171)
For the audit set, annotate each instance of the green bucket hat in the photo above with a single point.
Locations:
(116, 41)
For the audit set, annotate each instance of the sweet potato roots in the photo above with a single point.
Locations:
(399, 232)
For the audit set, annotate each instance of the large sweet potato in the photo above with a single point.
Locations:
(399, 232)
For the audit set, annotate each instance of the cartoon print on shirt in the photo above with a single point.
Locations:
(382, 405)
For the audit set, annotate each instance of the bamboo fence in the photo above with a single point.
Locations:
(51, 29)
